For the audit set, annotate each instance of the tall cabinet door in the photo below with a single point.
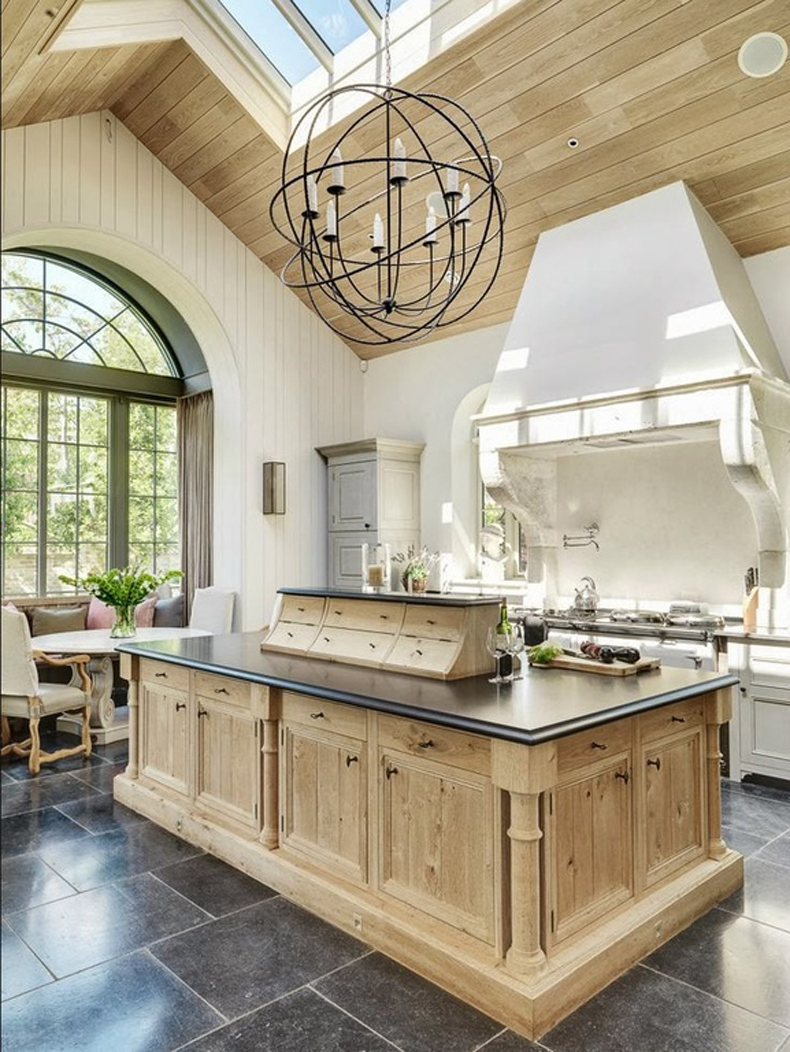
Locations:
(352, 496)
(228, 762)
(164, 736)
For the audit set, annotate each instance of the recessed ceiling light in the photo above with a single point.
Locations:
(573, 143)
(762, 54)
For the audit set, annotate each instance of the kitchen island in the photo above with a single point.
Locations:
(519, 845)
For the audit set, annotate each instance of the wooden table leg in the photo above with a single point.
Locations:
(525, 956)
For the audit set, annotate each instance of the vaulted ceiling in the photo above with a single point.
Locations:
(651, 89)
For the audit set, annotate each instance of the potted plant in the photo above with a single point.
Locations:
(122, 590)
(417, 566)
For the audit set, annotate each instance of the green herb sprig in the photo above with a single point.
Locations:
(121, 588)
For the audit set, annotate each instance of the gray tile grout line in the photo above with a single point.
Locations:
(345, 1011)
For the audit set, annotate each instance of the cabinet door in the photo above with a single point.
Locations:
(164, 737)
(592, 858)
(345, 558)
(228, 768)
(323, 793)
(765, 731)
(437, 840)
(672, 804)
(398, 496)
(352, 496)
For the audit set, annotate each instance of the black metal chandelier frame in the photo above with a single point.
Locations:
(387, 310)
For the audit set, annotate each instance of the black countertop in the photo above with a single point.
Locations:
(420, 598)
(545, 703)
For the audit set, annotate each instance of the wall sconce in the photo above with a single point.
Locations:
(273, 487)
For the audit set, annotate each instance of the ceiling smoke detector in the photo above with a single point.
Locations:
(762, 54)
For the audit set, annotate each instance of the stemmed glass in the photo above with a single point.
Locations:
(498, 644)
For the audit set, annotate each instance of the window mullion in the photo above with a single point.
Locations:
(43, 492)
(118, 495)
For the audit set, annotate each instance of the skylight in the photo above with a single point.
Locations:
(335, 21)
(275, 37)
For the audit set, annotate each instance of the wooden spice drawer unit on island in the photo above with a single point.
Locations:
(521, 867)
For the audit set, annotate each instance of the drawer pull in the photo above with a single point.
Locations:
(655, 763)
(327, 639)
(390, 771)
(290, 635)
(384, 617)
(429, 621)
(301, 609)
(598, 745)
(622, 775)
(677, 719)
(338, 613)
(202, 712)
(180, 705)
(220, 690)
(428, 744)
(372, 646)
(160, 675)
(418, 653)
(316, 715)
(351, 759)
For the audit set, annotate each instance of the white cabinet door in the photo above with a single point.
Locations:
(765, 731)
(345, 558)
(399, 496)
(352, 496)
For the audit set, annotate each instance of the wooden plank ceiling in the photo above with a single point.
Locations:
(650, 88)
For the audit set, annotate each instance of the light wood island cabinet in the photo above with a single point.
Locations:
(520, 865)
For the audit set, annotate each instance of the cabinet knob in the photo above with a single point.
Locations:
(220, 690)
(677, 719)
(351, 759)
(598, 745)
(180, 705)
(655, 763)
(622, 775)
(429, 621)
(316, 715)
(427, 744)
(160, 675)
(202, 712)
(367, 525)
(390, 771)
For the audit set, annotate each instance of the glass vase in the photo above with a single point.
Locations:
(376, 568)
(124, 625)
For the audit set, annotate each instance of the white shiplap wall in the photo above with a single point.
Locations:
(283, 383)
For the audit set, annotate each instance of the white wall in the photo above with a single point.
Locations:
(283, 383)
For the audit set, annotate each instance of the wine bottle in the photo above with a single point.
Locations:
(505, 630)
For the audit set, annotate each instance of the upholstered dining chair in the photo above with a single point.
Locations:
(212, 610)
(24, 697)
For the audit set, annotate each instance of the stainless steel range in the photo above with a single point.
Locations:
(682, 638)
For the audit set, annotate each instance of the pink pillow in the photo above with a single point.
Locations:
(102, 616)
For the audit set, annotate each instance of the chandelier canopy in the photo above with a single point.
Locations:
(397, 223)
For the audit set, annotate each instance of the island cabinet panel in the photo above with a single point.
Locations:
(228, 774)
(164, 730)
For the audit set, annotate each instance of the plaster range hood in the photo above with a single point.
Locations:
(638, 326)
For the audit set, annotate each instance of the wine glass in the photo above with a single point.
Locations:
(516, 647)
(498, 645)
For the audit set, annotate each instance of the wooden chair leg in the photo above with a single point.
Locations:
(34, 763)
(5, 732)
(86, 735)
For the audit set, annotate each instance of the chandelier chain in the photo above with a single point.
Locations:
(387, 56)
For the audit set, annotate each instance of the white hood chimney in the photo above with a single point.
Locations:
(638, 325)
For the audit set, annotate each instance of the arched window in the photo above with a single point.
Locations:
(90, 474)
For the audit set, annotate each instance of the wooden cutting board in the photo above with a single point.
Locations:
(618, 668)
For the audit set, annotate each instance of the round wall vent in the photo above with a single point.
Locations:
(762, 54)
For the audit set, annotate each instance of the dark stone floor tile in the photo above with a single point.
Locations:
(777, 851)
(213, 885)
(764, 896)
(21, 969)
(19, 771)
(299, 1022)
(112, 856)
(744, 842)
(37, 830)
(653, 1013)
(5, 777)
(406, 1009)
(251, 957)
(102, 776)
(115, 752)
(510, 1042)
(764, 792)
(739, 960)
(129, 1005)
(755, 814)
(95, 926)
(35, 794)
(100, 813)
(27, 881)
(786, 1046)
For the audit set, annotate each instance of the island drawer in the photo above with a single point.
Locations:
(598, 743)
(472, 752)
(423, 656)
(364, 616)
(434, 622)
(671, 718)
(222, 688)
(290, 635)
(343, 644)
(330, 715)
(164, 674)
(305, 610)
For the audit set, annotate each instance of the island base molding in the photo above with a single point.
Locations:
(466, 968)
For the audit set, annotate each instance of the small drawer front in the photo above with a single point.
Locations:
(343, 644)
(303, 610)
(427, 656)
(671, 718)
(289, 635)
(222, 688)
(164, 674)
(430, 622)
(471, 752)
(364, 616)
(599, 743)
(327, 715)
(770, 666)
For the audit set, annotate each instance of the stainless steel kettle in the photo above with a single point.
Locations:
(586, 601)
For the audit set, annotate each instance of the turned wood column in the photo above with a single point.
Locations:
(524, 772)
(130, 670)
(718, 710)
(266, 705)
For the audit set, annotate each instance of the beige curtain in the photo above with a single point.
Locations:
(196, 491)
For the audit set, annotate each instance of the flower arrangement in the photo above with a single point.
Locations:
(417, 566)
(122, 590)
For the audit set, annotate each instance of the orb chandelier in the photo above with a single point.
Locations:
(396, 223)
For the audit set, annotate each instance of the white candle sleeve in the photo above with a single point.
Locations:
(399, 165)
(378, 232)
(331, 219)
(336, 177)
(312, 194)
(452, 180)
